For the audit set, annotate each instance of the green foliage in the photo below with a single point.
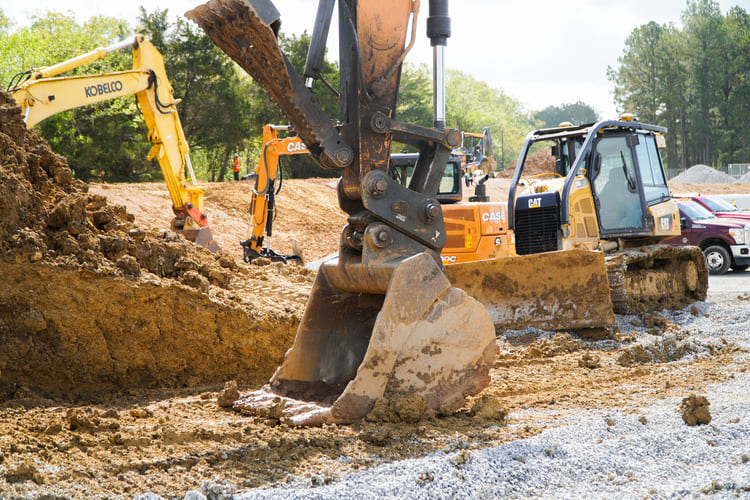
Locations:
(694, 80)
(214, 93)
(295, 48)
(472, 105)
(55, 38)
(79, 134)
(222, 109)
(415, 95)
(5, 23)
(577, 113)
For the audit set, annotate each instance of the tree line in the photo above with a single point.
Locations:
(695, 80)
(222, 109)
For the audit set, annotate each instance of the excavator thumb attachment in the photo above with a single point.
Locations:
(421, 337)
(552, 291)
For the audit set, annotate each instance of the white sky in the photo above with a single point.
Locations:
(541, 52)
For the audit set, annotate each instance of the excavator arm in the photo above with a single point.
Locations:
(41, 94)
(382, 321)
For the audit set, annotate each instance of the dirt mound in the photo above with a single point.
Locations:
(541, 162)
(91, 303)
(702, 174)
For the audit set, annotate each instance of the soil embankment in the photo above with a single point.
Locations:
(91, 303)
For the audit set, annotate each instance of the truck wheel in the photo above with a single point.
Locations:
(717, 259)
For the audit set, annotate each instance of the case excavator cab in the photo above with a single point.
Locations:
(383, 322)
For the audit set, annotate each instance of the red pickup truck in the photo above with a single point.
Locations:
(725, 242)
(718, 206)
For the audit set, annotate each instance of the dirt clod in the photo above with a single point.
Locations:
(694, 410)
(409, 409)
(488, 407)
(590, 361)
(24, 471)
(560, 343)
(228, 395)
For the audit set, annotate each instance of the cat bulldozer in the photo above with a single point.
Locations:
(382, 322)
(580, 242)
(41, 94)
(587, 234)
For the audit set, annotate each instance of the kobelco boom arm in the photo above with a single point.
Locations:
(41, 94)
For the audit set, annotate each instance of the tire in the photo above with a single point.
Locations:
(718, 259)
(740, 269)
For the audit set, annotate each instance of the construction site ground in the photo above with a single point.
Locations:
(118, 339)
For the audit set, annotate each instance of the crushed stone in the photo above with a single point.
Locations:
(700, 174)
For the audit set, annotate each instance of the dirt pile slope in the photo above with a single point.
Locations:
(91, 303)
(541, 162)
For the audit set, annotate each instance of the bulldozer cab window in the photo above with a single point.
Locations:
(652, 175)
(616, 187)
(565, 152)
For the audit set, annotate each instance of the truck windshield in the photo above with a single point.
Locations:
(694, 210)
(718, 205)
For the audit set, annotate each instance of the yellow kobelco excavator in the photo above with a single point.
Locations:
(382, 321)
(41, 94)
(262, 201)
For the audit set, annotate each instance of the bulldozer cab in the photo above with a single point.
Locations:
(617, 159)
(565, 150)
(626, 171)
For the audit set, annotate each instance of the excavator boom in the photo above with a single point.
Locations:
(42, 94)
(383, 321)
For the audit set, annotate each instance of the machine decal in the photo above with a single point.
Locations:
(665, 223)
(296, 146)
(103, 88)
(493, 216)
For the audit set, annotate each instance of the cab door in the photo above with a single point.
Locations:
(616, 187)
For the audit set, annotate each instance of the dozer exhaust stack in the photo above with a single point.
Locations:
(383, 321)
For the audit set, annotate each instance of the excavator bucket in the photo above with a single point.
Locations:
(382, 321)
(205, 238)
(552, 291)
(354, 348)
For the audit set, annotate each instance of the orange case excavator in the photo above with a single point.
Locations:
(262, 202)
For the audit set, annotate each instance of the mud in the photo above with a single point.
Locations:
(671, 347)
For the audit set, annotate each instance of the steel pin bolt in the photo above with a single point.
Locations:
(431, 211)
